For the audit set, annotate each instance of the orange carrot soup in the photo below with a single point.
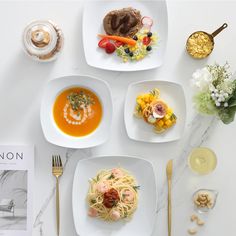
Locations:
(77, 111)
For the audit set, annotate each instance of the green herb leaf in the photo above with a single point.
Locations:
(173, 117)
(227, 114)
(232, 100)
(111, 176)
(155, 93)
(136, 188)
(125, 214)
(98, 177)
(93, 201)
(79, 100)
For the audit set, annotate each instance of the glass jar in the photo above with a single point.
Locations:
(43, 40)
(204, 200)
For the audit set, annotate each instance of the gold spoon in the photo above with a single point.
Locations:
(169, 171)
(200, 44)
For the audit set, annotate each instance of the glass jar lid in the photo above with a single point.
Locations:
(40, 38)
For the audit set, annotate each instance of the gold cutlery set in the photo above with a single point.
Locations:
(57, 171)
(169, 172)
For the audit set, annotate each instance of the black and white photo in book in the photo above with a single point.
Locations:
(16, 190)
(13, 199)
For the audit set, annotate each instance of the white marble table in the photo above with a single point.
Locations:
(22, 82)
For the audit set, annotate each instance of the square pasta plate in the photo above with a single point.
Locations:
(143, 220)
(171, 93)
(52, 132)
(95, 11)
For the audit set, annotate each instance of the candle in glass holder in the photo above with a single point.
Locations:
(202, 160)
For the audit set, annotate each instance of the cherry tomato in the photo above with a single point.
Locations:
(118, 44)
(110, 48)
(146, 40)
(103, 42)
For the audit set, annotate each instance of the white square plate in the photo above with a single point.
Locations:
(51, 131)
(144, 218)
(95, 11)
(170, 92)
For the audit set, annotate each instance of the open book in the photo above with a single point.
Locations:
(16, 190)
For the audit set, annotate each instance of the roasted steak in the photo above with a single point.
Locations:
(125, 22)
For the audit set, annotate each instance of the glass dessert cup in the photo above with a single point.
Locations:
(204, 200)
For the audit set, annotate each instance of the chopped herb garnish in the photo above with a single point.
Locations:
(114, 203)
(155, 93)
(96, 180)
(93, 201)
(98, 177)
(111, 176)
(139, 108)
(136, 188)
(173, 117)
(125, 214)
(79, 100)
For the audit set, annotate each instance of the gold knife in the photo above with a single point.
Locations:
(169, 171)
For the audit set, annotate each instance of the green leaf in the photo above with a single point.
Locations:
(227, 114)
(232, 102)
(136, 188)
(111, 176)
(93, 201)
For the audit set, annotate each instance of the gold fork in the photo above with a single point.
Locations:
(57, 171)
(169, 172)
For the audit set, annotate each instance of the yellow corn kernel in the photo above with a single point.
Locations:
(132, 49)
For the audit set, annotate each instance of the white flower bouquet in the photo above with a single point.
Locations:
(215, 92)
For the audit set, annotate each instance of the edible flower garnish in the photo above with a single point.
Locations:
(154, 111)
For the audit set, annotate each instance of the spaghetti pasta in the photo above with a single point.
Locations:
(112, 195)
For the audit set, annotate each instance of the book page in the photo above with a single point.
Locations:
(16, 190)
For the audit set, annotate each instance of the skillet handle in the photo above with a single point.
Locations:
(225, 25)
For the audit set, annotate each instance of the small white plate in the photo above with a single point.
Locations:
(95, 11)
(170, 92)
(144, 218)
(51, 131)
